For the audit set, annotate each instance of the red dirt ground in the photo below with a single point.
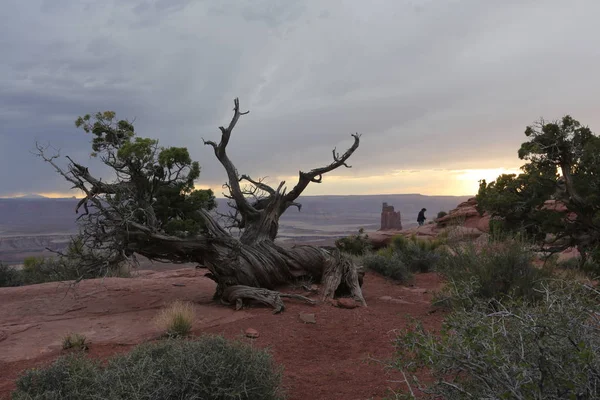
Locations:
(328, 360)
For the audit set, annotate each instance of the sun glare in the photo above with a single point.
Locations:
(468, 179)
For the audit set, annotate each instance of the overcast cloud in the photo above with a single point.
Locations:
(430, 84)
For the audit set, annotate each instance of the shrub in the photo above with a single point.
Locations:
(9, 276)
(69, 378)
(390, 266)
(546, 351)
(176, 319)
(355, 244)
(418, 255)
(75, 341)
(208, 368)
(442, 214)
(494, 271)
(590, 267)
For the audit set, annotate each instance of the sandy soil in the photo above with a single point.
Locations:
(328, 360)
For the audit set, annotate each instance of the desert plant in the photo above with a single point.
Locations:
(75, 341)
(442, 214)
(492, 272)
(152, 207)
(176, 320)
(418, 255)
(10, 276)
(550, 350)
(208, 368)
(355, 244)
(388, 265)
(71, 266)
(590, 267)
(521, 201)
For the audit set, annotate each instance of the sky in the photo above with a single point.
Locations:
(441, 90)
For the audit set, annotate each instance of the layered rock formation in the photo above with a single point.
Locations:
(390, 219)
(463, 222)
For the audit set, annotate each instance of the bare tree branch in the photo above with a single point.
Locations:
(316, 175)
(232, 174)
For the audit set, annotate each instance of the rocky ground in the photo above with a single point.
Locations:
(329, 359)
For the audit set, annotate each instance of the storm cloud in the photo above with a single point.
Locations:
(429, 84)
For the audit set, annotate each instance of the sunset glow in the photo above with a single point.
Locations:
(457, 182)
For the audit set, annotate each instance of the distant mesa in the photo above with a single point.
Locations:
(390, 219)
(31, 196)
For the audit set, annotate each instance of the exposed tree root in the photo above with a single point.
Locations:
(238, 293)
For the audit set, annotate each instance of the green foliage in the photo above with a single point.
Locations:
(589, 267)
(149, 175)
(563, 164)
(418, 255)
(75, 341)
(355, 244)
(388, 265)
(496, 271)
(208, 368)
(75, 263)
(441, 214)
(550, 350)
(9, 276)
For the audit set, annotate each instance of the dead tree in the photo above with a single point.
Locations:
(122, 218)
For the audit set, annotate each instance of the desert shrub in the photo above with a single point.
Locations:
(493, 272)
(418, 255)
(355, 244)
(549, 350)
(388, 265)
(70, 377)
(10, 276)
(442, 214)
(589, 267)
(53, 269)
(177, 319)
(208, 368)
(75, 341)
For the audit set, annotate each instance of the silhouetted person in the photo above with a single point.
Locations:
(421, 217)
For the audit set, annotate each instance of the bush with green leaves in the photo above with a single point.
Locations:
(208, 368)
(9, 276)
(389, 265)
(494, 271)
(358, 244)
(76, 263)
(419, 255)
(441, 214)
(549, 350)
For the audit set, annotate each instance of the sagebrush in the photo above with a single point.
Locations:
(492, 271)
(208, 368)
(391, 266)
(548, 350)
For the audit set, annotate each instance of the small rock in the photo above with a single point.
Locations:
(308, 318)
(346, 302)
(385, 298)
(252, 333)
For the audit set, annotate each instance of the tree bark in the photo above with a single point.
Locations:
(248, 268)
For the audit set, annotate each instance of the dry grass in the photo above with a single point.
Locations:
(176, 320)
(75, 341)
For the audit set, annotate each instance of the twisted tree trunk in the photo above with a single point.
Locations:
(250, 267)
